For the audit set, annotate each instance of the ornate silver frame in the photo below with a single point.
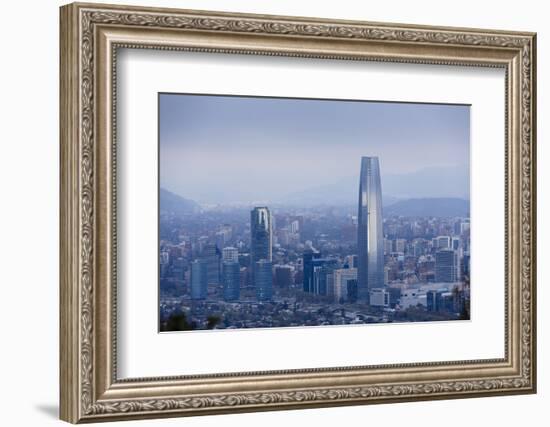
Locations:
(90, 36)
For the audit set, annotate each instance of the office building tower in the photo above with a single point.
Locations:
(246, 280)
(379, 297)
(261, 235)
(341, 278)
(455, 243)
(178, 268)
(230, 254)
(263, 280)
(308, 259)
(199, 280)
(447, 267)
(231, 279)
(283, 276)
(352, 291)
(323, 276)
(318, 273)
(400, 245)
(442, 242)
(370, 240)
(211, 255)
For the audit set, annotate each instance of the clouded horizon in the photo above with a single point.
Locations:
(216, 149)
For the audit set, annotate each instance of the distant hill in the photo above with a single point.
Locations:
(438, 207)
(342, 193)
(448, 182)
(434, 182)
(171, 202)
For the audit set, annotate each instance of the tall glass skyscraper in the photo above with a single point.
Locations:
(199, 279)
(231, 279)
(310, 258)
(211, 255)
(263, 280)
(370, 239)
(447, 266)
(260, 235)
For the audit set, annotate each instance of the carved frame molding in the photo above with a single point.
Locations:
(90, 36)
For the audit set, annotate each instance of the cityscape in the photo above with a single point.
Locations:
(380, 259)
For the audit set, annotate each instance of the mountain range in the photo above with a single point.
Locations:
(438, 207)
(448, 182)
(171, 202)
(427, 192)
(421, 207)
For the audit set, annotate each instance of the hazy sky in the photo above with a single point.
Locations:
(250, 149)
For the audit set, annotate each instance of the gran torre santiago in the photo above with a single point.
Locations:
(370, 239)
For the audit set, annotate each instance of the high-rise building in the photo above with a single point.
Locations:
(261, 235)
(447, 267)
(245, 277)
(352, 291)
(211, 255)
(442, 242)
(379, 297)
(231, 279)
(323, 276)
(263, 280)
(370, 240)
(341, 278)
(230, 254)
(308, 259)
(199, 280)
(400, 245)
(283, 276)
(318, 272)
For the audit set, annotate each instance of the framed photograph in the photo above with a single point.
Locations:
(267, 212)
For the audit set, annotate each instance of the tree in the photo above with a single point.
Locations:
(212, 321)
(177, 322)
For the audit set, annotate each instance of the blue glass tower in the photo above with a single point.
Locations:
(309, 259)
(231, 279)
(199, 279)
(370, 239)
(211, 255)
(260, 236)
(263, 280)
(447, 266)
